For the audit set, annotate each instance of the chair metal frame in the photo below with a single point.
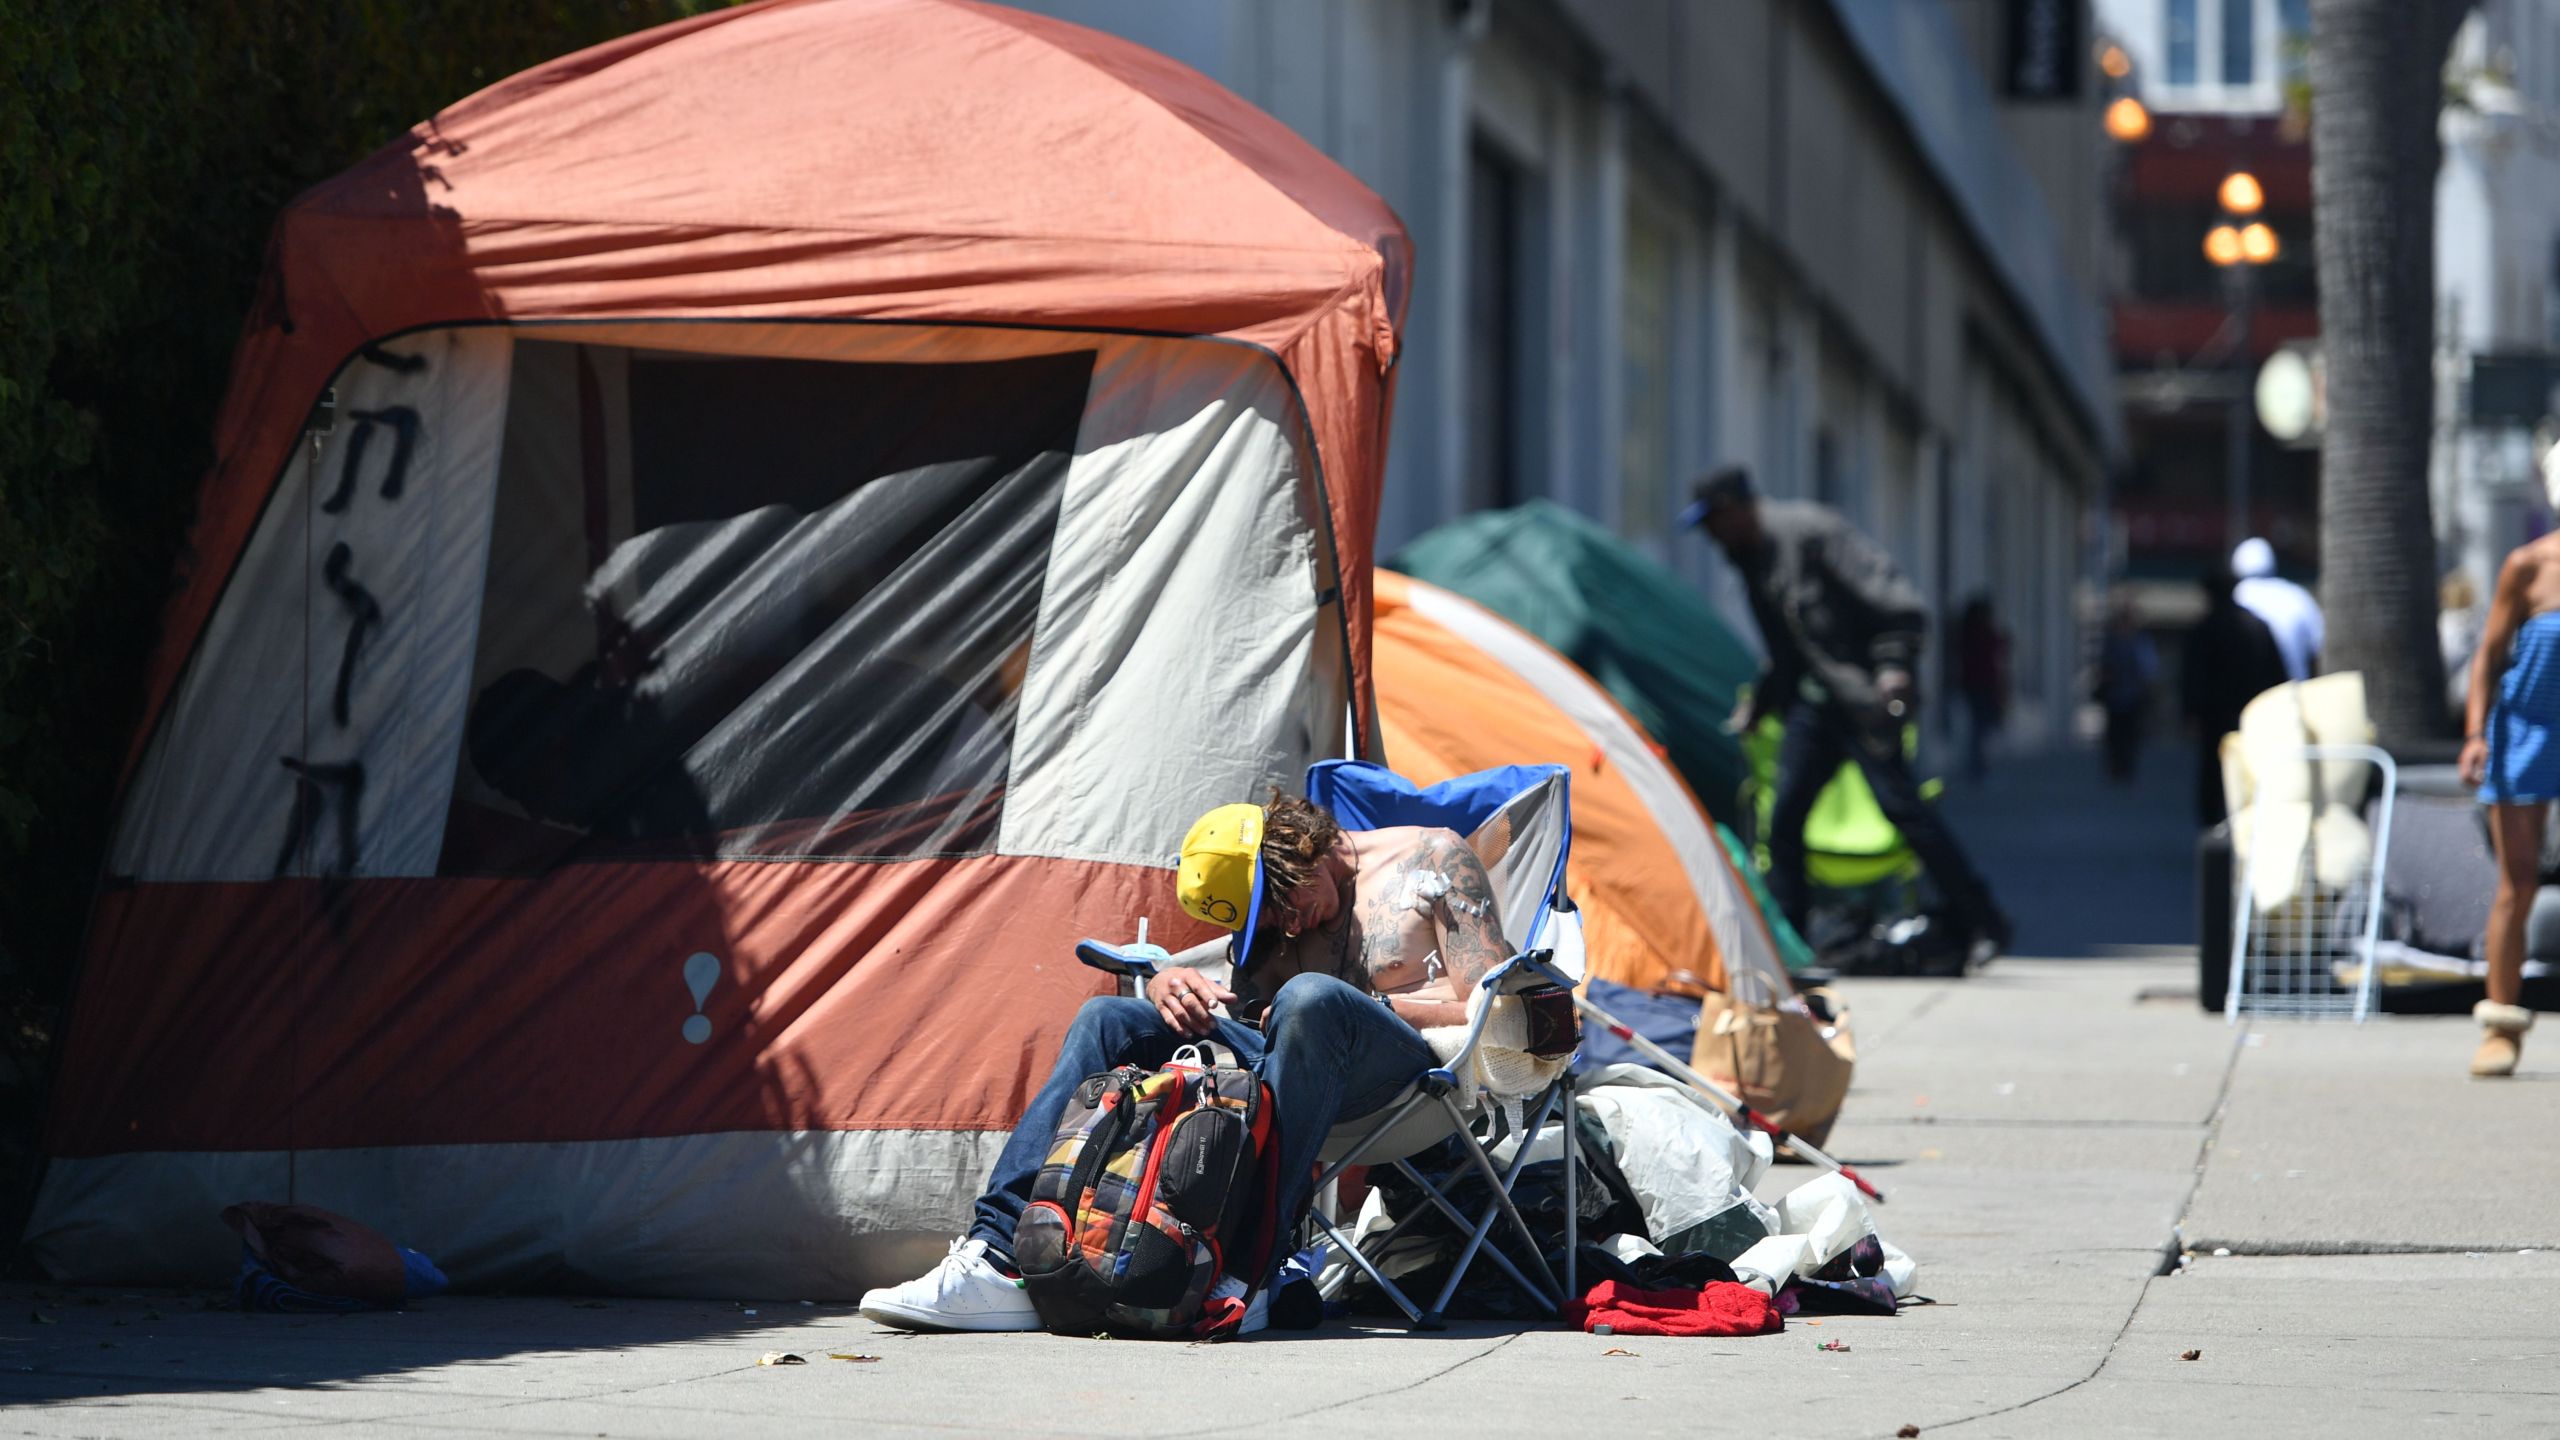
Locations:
(1439, 1087)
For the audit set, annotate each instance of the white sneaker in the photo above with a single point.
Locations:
(964, 1292)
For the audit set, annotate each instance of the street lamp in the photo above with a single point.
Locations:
(2237, 247)
(2127, 121)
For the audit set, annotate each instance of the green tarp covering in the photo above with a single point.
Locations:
(1649, 638)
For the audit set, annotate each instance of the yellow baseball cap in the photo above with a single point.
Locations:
(1221, 875)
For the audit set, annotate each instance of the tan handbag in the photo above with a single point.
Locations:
(1785, 1064)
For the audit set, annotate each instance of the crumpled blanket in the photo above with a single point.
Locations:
(1720, 1309)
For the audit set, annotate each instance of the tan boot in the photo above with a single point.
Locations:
(2502, 1030)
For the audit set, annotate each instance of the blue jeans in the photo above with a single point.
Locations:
(1328, 1052)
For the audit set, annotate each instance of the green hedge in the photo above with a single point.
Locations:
(145, 148)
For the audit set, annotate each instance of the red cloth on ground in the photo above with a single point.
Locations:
(1723, 1308)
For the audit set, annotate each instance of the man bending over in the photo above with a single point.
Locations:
(1346, 945)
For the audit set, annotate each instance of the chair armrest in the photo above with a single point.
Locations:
(1531, 969)
(1114, 961)
(1137, 964)
(1521, 972)
(1476, 1022)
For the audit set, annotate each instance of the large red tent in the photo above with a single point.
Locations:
(634, 744)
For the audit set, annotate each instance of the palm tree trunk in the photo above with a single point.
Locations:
(2377, 83)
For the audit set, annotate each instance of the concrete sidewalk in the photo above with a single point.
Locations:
(2042, 1131)
(2085, 867)
(2046, 1129)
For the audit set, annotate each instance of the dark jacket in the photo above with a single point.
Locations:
(1832, 607)
(2231, 660)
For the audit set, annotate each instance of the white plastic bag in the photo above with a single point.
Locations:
(1816, 1222)
(1687, 1164)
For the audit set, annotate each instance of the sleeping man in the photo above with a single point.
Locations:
(1346, 945)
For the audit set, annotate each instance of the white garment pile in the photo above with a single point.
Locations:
(1817, 1221)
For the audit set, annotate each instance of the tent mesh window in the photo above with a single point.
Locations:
(757, 607)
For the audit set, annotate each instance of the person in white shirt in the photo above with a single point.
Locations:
(2291, 614)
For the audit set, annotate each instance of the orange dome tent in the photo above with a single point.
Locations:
(1460, 688)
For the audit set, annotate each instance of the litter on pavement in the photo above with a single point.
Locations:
(301, 1259)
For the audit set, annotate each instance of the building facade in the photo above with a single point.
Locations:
(2498, 287)
(2226, 86)
(1809, 236)
(2223, 84)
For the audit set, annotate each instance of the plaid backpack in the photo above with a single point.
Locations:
(1158, 1185)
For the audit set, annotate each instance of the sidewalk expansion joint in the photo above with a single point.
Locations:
(2332, 1249)
(2170, 1251)
(2026, 1122)
(1918, 1013)
(1415, 1383)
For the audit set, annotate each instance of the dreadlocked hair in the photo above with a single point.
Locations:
(1296, 836)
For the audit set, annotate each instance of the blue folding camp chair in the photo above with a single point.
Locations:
(1518, 821)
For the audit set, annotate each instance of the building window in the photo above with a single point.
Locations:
(2233, 56)
(1497, 217)
(2239, 42)
(2182, 42)
(1829, 486)
(1644, 448)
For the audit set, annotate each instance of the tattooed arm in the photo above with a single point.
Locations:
(1471, 940)
(1469, 932)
